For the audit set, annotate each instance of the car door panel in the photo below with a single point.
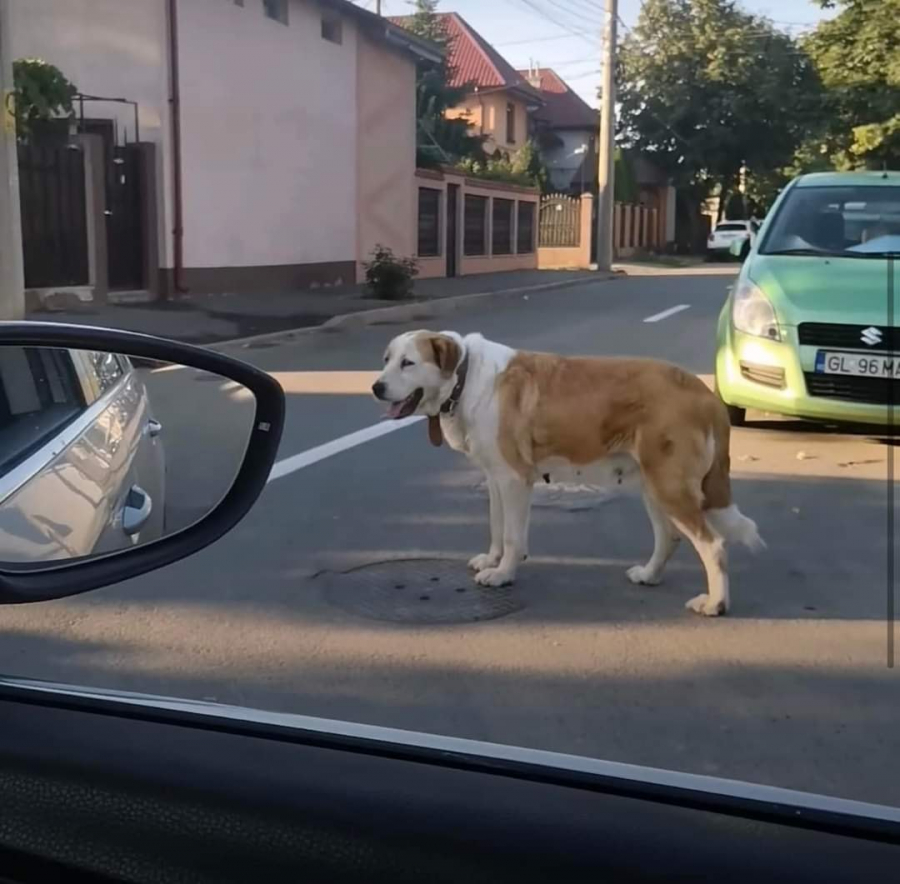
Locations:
(152, 801)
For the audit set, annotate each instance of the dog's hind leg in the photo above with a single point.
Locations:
(665, 540)
(492, 558)
(515, 495)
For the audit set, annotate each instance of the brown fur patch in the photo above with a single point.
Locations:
(442, 350)
(584, 409)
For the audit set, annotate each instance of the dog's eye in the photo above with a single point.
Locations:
(406, 363)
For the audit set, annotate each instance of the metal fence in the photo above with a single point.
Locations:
(560, 222)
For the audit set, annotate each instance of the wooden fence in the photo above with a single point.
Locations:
(635, 228)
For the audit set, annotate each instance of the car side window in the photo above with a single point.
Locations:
(40, 393)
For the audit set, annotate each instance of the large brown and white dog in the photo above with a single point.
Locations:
(525, 416)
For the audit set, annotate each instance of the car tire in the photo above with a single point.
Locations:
(737, 416)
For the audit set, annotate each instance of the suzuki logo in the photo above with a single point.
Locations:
(871, 336)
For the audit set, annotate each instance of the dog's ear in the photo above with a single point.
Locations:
(446, 353)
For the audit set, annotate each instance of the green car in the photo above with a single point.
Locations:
(809, 328)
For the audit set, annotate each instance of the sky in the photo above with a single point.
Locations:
(565, 34)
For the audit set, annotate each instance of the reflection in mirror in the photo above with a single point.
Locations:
(100, 452)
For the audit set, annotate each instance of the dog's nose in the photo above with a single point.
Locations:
(378, 389)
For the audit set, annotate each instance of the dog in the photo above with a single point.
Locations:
(523, 416)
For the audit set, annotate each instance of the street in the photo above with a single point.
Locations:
(344, 593)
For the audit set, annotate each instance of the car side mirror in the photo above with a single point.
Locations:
(121, 453)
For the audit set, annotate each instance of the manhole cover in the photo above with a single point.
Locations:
(419, 591)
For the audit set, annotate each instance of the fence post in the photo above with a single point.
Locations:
(95, 209)
(587, 227)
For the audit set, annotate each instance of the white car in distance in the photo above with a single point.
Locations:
(720, 241)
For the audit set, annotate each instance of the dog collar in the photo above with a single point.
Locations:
(452, 401)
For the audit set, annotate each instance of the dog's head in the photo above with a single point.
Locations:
(419, 371)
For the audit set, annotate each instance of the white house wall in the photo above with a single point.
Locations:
(268, 137)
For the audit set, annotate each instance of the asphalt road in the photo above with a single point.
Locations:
(334, 597)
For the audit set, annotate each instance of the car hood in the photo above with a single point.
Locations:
(810, 289)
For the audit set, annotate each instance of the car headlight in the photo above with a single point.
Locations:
(752, 312)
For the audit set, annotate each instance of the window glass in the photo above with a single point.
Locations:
(39, 395)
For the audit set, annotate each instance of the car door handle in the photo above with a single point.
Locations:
(154, 428)
(137, 509)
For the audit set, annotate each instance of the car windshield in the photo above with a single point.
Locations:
(853, 221)
(296, 183)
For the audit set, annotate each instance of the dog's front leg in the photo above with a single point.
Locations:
(515, 497)
(491, 558)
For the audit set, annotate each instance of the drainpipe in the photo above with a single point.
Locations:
(175, 117)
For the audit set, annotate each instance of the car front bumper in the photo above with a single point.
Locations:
(747, 369)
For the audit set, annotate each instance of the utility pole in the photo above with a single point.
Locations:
(606, 148)
(377, 7)
(12, 298)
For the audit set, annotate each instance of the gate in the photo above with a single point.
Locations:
(54, 215)
(560, 221)
(124, 227)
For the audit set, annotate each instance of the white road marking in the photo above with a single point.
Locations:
(336, 446)
(667, 313)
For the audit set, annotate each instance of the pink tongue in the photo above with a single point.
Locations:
(394, 409)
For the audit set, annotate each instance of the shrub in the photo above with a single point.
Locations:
(388, 277)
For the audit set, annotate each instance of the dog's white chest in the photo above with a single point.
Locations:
(615, 471)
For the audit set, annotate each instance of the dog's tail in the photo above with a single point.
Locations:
(722, 514)
(735, 527)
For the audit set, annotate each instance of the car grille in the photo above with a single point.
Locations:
(873, 391)
(769, 375)
(826, 334)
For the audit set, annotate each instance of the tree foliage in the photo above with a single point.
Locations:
(42, 92)
(524, 167)
(705, 86)
(439, 139)
(857, 57)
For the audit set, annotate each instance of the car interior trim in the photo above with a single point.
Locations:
(699, 792)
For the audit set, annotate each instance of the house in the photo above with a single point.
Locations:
(565, 129)
(500, 99)
(244, 144)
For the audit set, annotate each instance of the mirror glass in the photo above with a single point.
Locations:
(100, 452)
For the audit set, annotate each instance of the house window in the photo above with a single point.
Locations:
(525, 237)
(277, 10)
(510, 123)
(429, 222)
(501, 227)
(331, 29)
(475, 237)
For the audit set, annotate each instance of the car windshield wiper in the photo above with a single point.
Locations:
(805, 251)
(826, 253)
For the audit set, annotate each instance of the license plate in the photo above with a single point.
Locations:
(858, 364)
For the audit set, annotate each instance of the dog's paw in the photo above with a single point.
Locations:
(485, 560)
(642, 576)
(493, 577)
(701, 604)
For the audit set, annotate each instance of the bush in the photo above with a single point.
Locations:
(388, 277)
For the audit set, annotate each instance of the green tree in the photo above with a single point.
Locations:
(705, 86)
(42, 92)
(438, 139)
(857, 57)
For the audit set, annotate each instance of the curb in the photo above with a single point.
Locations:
(418, 310)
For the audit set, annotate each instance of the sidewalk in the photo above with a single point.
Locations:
(207, 319)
